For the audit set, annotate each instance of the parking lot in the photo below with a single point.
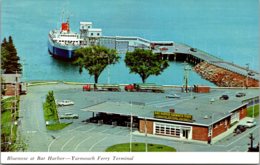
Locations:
(81, 136)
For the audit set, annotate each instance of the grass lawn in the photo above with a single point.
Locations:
(140, 147)
(6, 123)
(59, 126)
(250, 111)
(51, 114)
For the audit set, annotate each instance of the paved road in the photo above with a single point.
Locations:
(91, 137)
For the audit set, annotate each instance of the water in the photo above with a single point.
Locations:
(228, 29)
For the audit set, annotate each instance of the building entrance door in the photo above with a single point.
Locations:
(185, 133)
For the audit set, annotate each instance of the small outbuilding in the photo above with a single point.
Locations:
(201, 89)
(12, 85)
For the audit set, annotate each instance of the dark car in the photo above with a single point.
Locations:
(224, 97)
(251, 73)
(240, 94)
(193, 49)
(239, 129)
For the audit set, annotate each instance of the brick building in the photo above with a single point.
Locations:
(12, 85)
(197, 118)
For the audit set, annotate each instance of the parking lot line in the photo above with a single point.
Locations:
(158, 102)
(242, 136)
(96, 143)
(76, 128)
(67, 143)
(104, 130)
(49, 146)
(77, 146)
(172, 103)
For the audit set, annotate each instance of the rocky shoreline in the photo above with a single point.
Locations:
(222, 77)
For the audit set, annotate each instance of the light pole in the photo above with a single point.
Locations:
(186, 76)
(131, 122)
(253, 114)
(247, 70)
(108, 71)
(146, 148)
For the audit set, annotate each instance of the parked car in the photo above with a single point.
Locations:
(240, 94)
(193, 49)
(239, 129)
(173, 96)
(69, 116)
(65, 103)
(250, 123)
(251, 73)
(224, 97)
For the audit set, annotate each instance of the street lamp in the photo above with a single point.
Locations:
(247, 70)
(186, 75)
(108, 71)
(253, 113)
(146, 148)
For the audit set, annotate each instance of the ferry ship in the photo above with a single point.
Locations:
(63, 42)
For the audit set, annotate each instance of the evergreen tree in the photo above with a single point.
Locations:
(4, 43)
(51, 108)
(4, 56)
(11, 62)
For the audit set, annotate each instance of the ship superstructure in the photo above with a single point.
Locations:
(62, 43)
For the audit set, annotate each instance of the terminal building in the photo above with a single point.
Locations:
(195, 118)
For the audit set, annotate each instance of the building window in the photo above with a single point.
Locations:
(169, 129)
(98, 34)
(91, 34)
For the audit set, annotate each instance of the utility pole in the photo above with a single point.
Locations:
(13, 114)
(253, 114)
(146, 148)
(251, 140)
(247, 70)
(186, 76)
(108, 71)
(131, 122)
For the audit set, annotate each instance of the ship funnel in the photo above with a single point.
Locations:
(65, 27)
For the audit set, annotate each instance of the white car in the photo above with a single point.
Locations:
(65, 102)
(172, 96)
(69, 116)
(250, 123)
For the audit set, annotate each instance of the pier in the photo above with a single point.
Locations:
(175, 52)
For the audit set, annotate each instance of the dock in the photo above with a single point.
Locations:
(175, 52)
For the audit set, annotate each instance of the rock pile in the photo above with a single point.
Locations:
(222, 77)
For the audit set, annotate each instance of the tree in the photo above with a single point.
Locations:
(4, 56)
(145, 63)
(10, 63)
(50, 107)
(95, 59)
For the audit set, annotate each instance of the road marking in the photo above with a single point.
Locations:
(96, 143)
(77, 146)
(77, 128)
(159, 102)
(174, 103)
(49, 146)
(104, 130)
(242, 136)
(233, 149)
(118, 132)
(31, 131)
(67, 143)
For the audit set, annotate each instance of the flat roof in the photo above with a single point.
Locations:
(94, 30)
(87, 23)
(205, 108)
